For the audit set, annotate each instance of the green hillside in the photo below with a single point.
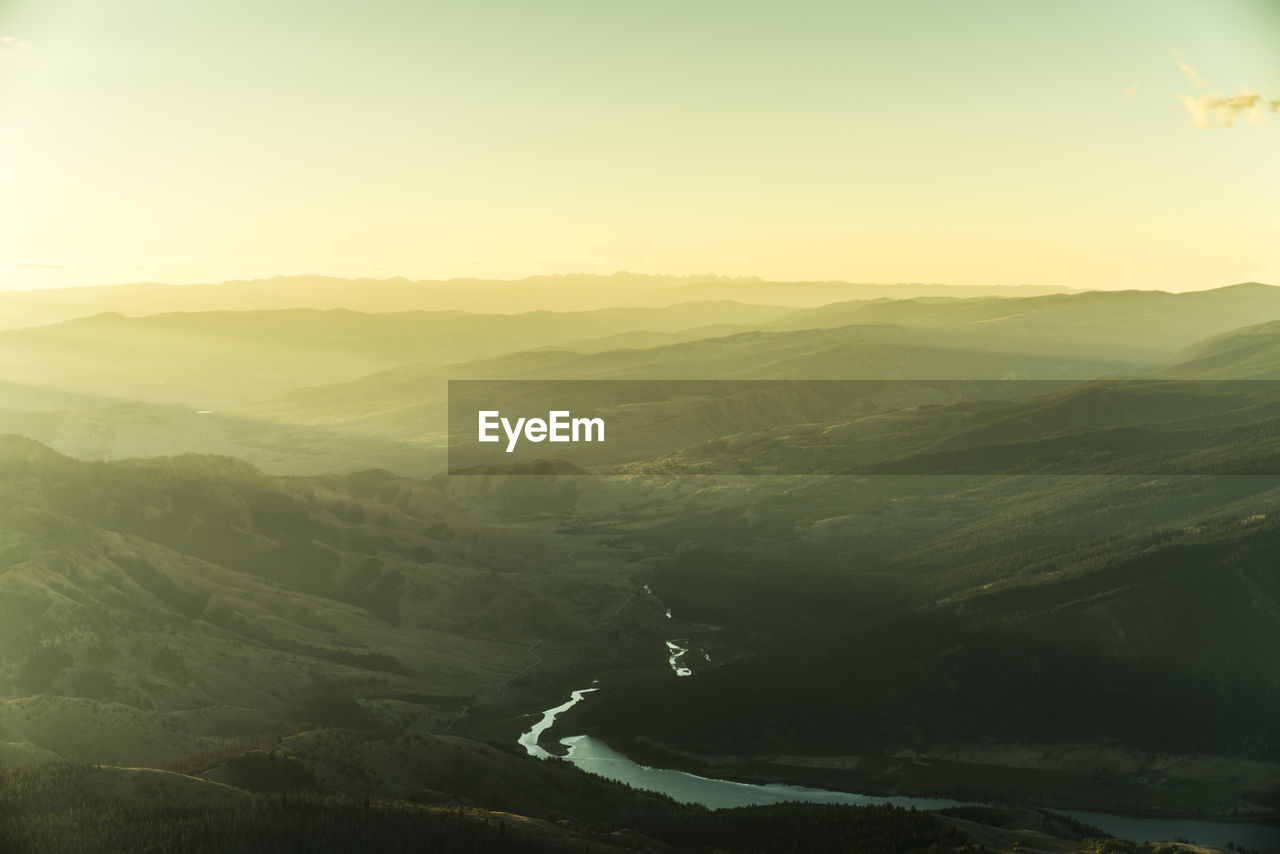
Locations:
(153, 607)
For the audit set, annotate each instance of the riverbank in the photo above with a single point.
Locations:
(736, 781)
(1117, 786)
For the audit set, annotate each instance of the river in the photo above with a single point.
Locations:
(596, 757)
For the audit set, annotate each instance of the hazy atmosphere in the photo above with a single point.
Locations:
(678, 428)
(1089, 145)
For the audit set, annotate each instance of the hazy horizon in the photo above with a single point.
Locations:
(680, 277)
(1095, 145)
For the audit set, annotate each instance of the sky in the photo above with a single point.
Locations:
(1117, 144)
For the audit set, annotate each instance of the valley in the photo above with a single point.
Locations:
(1025, 573)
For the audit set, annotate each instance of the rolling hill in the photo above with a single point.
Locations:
(151, 608)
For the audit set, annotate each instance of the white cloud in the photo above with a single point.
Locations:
(1194, 79)
(1215, 109)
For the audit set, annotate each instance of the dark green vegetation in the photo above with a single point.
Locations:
(875, 615)
(69, 809)
(280, 597)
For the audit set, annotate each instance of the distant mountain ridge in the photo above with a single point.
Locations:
(368, 389)
(573, 292)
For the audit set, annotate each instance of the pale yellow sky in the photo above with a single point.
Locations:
(980, 143)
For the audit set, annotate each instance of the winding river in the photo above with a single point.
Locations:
(596, 757)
